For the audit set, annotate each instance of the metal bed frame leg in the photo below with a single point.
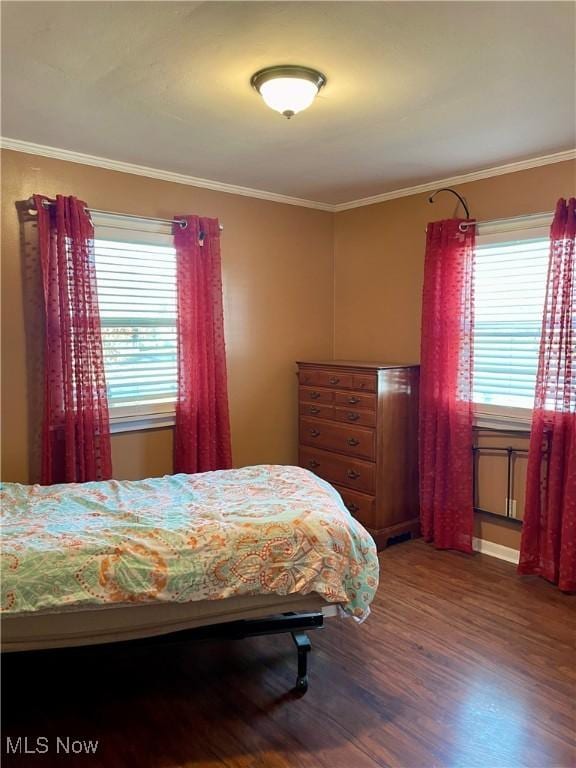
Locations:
(303, 646)
(297, 624)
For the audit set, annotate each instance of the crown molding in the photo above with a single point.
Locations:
(155, 173)
(465, 178)
(260, 194)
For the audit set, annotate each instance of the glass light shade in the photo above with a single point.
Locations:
(288, 94)
(288, 89)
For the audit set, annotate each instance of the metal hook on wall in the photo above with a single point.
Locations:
(461, 199)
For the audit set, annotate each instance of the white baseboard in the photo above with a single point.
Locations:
(496, 550)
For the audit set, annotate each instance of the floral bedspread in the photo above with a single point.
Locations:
(258, 530)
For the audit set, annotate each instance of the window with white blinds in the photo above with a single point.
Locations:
(136, 278)
(510, 287)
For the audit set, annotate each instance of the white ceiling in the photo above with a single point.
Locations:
(416, 90)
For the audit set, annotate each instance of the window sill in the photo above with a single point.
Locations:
(141, 422)
(505, 419)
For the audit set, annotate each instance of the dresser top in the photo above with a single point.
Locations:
(355, 364)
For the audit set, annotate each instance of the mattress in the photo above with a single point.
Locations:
(265, 531)
(42, 631)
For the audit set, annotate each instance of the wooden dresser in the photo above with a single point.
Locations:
(359, 430)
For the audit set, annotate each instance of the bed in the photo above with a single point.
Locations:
(110, 561)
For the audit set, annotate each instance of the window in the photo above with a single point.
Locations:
(136, 278)
(510, 287)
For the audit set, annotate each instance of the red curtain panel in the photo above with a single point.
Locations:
(76, 431)
(202, 432)
(446, 504)
(548, 545)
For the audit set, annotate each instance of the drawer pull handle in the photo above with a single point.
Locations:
(314, 395)
(313, 463)
(353, 442)
(353, 400)
(314, 410)
(353, 416)
(315, 432)
(352, 507)
(334, 380)
(352, 474)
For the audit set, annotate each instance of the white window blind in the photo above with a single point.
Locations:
(510, 287)
(136, 278)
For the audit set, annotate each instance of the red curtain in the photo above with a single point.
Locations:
(202, 433)
(548, 545)
(76, 432)
(446, 504)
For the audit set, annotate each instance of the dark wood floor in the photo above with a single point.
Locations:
(461, 665)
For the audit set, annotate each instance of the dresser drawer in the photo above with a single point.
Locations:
(315, 378)
(353, 441)
(311, 395)
(365, 383)
(340, 470)
(318, 411)
(352, 416)
(360, 505)
(355, 400)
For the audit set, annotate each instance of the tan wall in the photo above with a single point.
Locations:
(277, 269)
(379, 264)
(379, 256)
(279, 262)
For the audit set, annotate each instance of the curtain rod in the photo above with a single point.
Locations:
(464, 225)
(525, 219)
(182, 222)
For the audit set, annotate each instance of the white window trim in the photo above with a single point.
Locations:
(502, 417)
(136, 418)
(142, 422)
(144, 231)
(519, 228)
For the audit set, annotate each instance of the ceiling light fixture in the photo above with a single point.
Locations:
(288, 89)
